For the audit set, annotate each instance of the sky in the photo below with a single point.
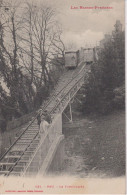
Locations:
(84, 26)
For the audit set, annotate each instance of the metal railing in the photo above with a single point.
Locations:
(43, 108)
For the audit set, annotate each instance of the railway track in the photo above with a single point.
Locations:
(17, 157)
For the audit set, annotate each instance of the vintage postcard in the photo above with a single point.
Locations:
(62, 97)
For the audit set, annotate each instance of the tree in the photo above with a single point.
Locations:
(40, 43)
(29, 40)
(107, 75)
(11, 71)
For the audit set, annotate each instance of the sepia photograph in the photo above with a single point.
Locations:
(62, 97)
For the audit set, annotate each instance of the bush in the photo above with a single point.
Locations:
(119, 99)
(105, 90)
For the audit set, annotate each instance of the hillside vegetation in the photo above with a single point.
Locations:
(105, 89)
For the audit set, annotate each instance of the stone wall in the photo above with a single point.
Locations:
(44, 154)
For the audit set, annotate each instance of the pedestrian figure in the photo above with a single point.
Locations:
(47, 117)
(44, 127)
(39, 119)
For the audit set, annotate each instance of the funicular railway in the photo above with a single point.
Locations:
(27, 155)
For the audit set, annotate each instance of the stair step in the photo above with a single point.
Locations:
(15, 173)
(13, 156)
(24, 142)
(18, 167)
(23, 161)
(4, 172)
(28, 138)
(6, 163)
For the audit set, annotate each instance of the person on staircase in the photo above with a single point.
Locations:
(47, 117)
(44, 126)
(43, 121)
(39, 119)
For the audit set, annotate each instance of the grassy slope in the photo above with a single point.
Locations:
(96, 146)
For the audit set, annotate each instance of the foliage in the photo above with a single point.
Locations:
(105, 88)
(30, 38)
(119, 97)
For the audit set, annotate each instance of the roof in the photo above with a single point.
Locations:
(71, 51)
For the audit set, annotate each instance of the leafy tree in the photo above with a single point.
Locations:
(107, 75)
(29, 40)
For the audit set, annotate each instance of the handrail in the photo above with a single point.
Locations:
(34, 155)
(46, 134)
(53, 97)
(66, 94)
(26, 168)
(21, 155)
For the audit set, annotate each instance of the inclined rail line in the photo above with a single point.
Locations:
(18, 155)
(43, 108)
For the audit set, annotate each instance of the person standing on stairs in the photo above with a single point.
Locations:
(47, 117)
(39, 119)
(44, 126)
